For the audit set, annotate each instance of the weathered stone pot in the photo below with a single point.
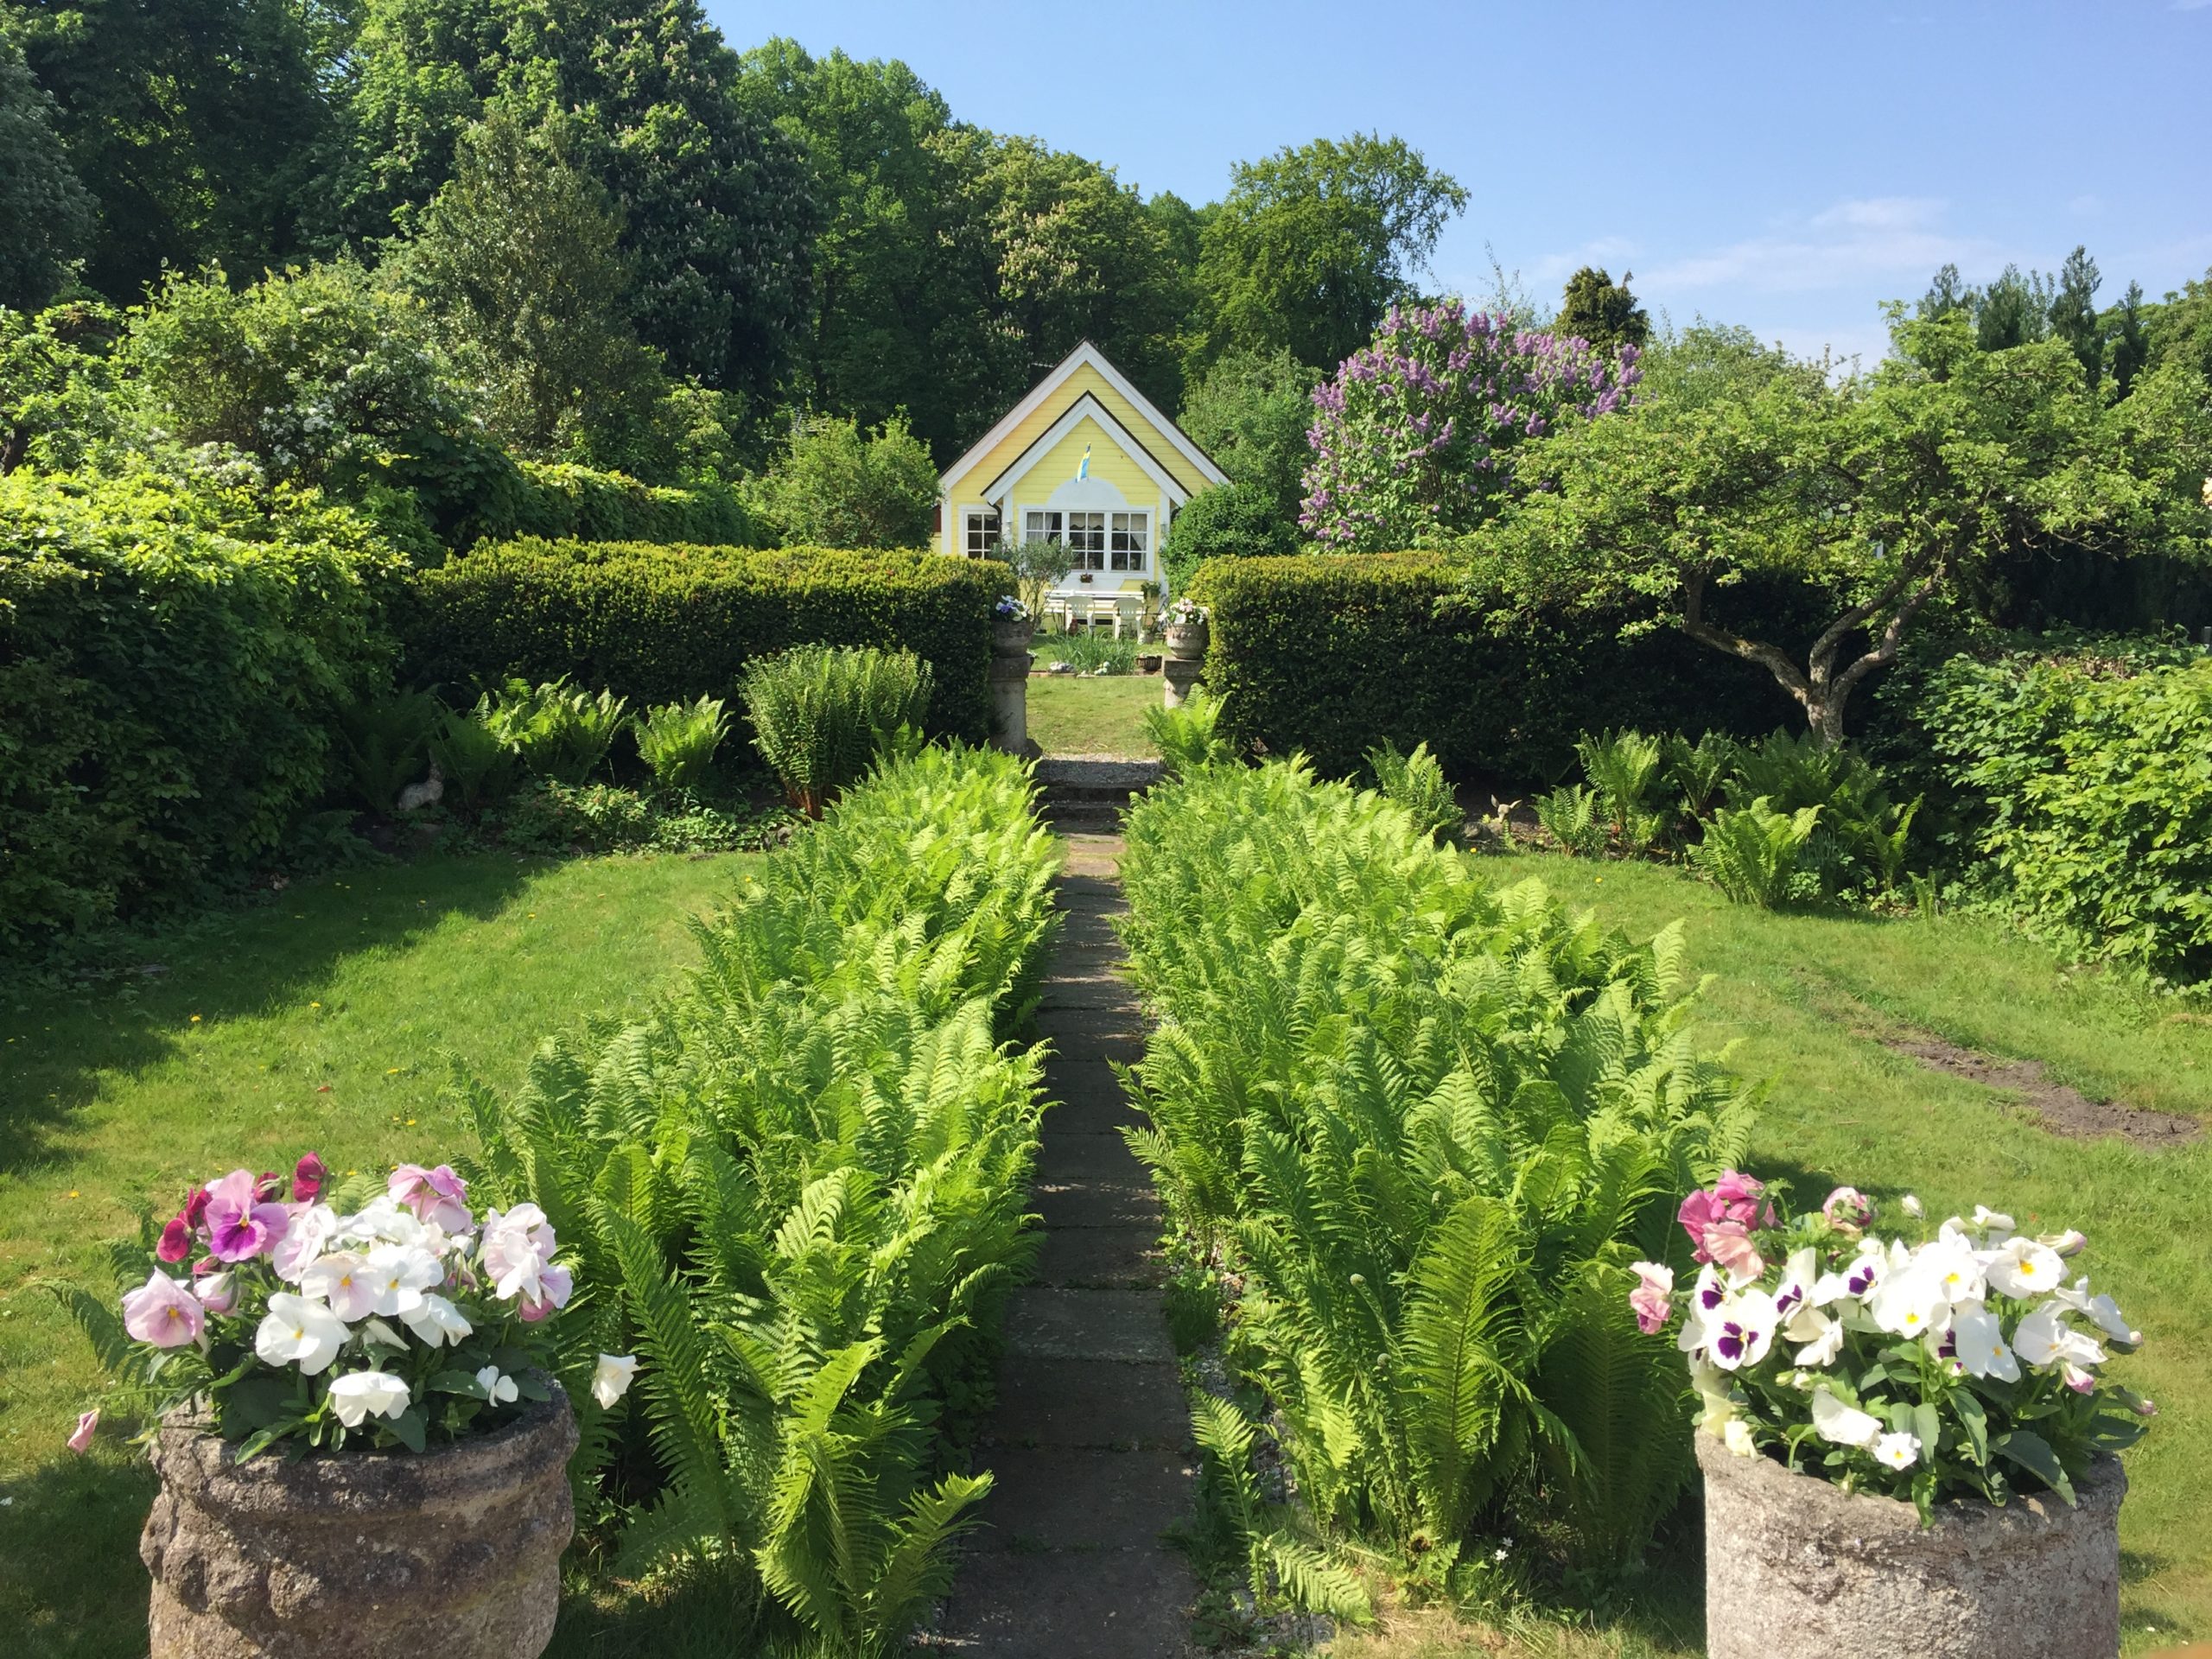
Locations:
(454, 1552)
(1186, 640)
(1011, 638)
(1795, 1568)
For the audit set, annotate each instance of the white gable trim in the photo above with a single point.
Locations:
(1084, 355)
(1084, 407)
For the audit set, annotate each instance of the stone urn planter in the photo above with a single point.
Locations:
(1186, 641)
(456, 1551)
(1795, 1568)
(1011, 637)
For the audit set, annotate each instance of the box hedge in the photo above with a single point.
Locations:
(1333, 653)
(173, 654)
(654, 623)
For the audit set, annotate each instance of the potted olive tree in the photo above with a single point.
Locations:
(360, 1450)
(1906, 1443)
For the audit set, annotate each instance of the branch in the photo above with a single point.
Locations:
(1772, 658)
(1831, 636)
(1885, 649)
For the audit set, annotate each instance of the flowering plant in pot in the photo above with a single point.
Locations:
(1839, 1363)
(1011, 624)
(1186, 629)
(391, 1327)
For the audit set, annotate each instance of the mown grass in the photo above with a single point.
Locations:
(328, 1018)
(1092, 714)
(1806, 998)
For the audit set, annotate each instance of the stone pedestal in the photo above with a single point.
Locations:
(383, 1555)
(1180, 676)
(1797, 1568)
(1010, 702)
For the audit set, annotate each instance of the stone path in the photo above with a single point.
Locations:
(1090, 1442)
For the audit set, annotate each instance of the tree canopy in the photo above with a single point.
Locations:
(1602, 311)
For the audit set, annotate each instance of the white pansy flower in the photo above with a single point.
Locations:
(1951, 1262)
(499, 1388)
(385, 1221)
(1912, 1206)
(1841, 1424)
(310, 1229)
(1981, 1349)
(299, 1331)
(1910, 1303)
(1994, 1222)
(436, 1321)
(1819, 1334)
(2043, 1339)
(378, 1331)
(1737, 1437)
(399, 1273)
(1741, 1331)
(341, 1278)
(2069, 1242)
(2024, 1269)
(359, 1396)
(2109, 1319)
(1899, 1451)
(610, 1378)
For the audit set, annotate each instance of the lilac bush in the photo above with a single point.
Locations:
(1412, 440)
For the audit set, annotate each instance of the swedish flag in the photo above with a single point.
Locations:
(1083, 467)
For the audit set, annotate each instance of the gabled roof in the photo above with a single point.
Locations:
(1086, 405)
(1085, 355)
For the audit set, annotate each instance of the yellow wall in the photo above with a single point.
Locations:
(1055, 466)
(1087, 378)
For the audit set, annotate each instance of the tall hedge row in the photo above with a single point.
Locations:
(658, 623)
(173, 654)
(1333, 653)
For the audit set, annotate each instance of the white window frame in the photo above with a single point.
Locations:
(1134, 529)
(1043, 525)
(982, 530)
(1087, 538)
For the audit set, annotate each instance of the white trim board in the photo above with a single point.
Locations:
(1085, 407)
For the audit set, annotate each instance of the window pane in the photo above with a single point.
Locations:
(982, 536)
(1040, 526)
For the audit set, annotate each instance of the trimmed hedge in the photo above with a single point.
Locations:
(506, 500)
(665, 624)
(173, 655)
(1333, 653)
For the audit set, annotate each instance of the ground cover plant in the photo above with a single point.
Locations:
(327, 1015)
(806, 1175)
(1426, 1126)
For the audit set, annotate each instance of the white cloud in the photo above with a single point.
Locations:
(2188, 5)
(1607, 251)
(1885, 237)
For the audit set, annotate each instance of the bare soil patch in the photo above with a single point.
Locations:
(2063, 1109)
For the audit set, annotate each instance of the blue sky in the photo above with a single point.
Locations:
(1787, 166)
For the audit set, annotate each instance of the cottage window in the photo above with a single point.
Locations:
(1129, 534)
(1037, 524)
(1087, 540)
(980, 534)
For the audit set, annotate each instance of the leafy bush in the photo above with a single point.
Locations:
(1231, 521)
(486, 498)
(1756, 854)
(803, 1180)
(670, 624)
(1427, 1126)
(2081, 785)
(476, 761)
(1415, 781)
(1570, 815)
(558, 819)
(1330, 655)
(1697, 771)
(174, 653)
(834, 485)
(1094, 651)
(821, 715)
(677, 740)
(1189, 738)
(583, 729)
(1623, 766)
(382, 743)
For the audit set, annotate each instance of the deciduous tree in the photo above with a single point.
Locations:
(43, 203)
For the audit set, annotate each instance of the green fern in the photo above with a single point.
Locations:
(1416, 782)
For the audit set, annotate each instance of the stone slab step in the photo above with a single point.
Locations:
(1068, 1605)
(1130, 1203)
(1065, 1498)
(1116, 1258)
(1043, 1323)
(1083, 1403)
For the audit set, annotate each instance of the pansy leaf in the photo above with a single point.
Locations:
(1975, 1421)
(1927, 1428)
(456, 1382)
(257, 1443)
(531, 1386)
(409, 1427)
(2034, 1454)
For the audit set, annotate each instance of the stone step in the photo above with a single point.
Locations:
(1096, 778)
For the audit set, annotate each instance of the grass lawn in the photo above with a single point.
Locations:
(1101, 714)
(1807, 999)
(329, 1018)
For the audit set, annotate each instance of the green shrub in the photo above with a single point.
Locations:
(1426, 1126)
(2082, 783)
(1756, 854)
(1230, 521)
(557, 501)
(1698, 770)
(174, 653)
(1189, 738)
(822, 715)
(1415, 781)
(478, 765)
(384, 743)
(670, 624)
(677, 740)
(1331, 655)
(799, 1190)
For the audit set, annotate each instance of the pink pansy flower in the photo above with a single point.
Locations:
(81, 1441)
(1652, 1300)
(308, 1177)
(176, 1240)
(1847, 1210)
(218, 1292)
(163, 1312)
(196, 1207)
(241, 1225)
(555, 1285)
(436, 1196)
(518, 1248)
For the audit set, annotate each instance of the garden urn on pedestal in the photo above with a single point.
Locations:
(1798, 1568)
(455, 1550)
(1010, 666)
(1186, 641)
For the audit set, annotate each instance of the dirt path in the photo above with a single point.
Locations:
(1089, 1443)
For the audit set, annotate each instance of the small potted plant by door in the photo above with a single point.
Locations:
(1906, 1443)
(1187, 631)
(361, 1451)
(1012, 626)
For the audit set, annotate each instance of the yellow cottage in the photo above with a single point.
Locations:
(1085, 459)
